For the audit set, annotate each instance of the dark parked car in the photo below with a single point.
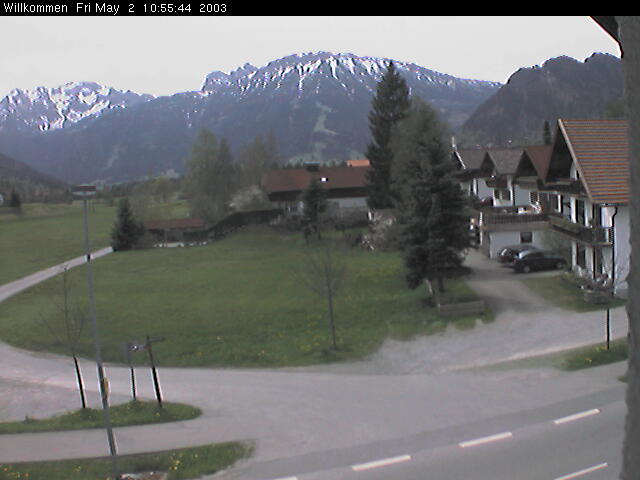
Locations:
(509, 254)
(529, 260)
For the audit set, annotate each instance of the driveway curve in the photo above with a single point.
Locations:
(406, 388)
(525, 325)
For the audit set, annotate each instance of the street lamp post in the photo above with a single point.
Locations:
(85, 191)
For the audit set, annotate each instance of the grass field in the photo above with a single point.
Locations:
(565, 294)
(48, 234)
(236, 302)
(183, 463)
(571, 359)
(130, 413)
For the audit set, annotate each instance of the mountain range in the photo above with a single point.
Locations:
(560, 87)
(315, 104)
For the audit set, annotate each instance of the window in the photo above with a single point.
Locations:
(597, 216)
(502, 193)
(580, 212)
(526, 237)
(581, 256)
(598, 262)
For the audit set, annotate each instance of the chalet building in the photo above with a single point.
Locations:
(574, 192)
(467, 163)
(345, 186)
(588, 182)
(498, 169)
(502, 183)
(517, 216)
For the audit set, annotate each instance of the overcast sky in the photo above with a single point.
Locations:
(166, 55)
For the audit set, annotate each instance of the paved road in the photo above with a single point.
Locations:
(405, 394)
(586, 447)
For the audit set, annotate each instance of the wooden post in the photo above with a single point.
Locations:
(154, 373)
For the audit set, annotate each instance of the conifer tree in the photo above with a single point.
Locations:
(547, 138)
(390, 105)
(431, 203)
(127, 231)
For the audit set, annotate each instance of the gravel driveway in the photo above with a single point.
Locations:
(525, 325)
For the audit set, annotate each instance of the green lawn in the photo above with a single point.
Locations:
(564, 293)
(130, 413)
(46, 235)
(49, 234)
(235, 302)
(183, 463)
(571, 359)
(596, 355)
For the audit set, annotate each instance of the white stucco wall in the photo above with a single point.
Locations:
(622, 247)
(483, 191)
(499, 240)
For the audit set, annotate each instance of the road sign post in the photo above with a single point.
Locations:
(127, 348)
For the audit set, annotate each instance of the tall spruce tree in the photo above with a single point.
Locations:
(390, 105)
(432, 206)
(127, 231)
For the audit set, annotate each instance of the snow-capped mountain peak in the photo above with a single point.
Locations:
(304, 69)
(44, 109)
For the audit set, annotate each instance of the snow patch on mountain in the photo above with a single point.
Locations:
(303, 68)
(47, 109)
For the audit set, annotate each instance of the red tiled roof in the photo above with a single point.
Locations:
(176, 223)
(363, 162)
(600, 151)
(298, 179)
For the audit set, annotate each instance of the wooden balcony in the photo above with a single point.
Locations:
(512, 219)
(596, 235)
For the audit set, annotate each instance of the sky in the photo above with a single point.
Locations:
(167, 55)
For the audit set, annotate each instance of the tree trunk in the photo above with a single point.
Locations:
(332, 324)
(629, 31)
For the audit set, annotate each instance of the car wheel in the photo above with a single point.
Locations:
(526, 269)
(560, 265)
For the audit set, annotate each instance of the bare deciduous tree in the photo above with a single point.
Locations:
(323, 270)
(66, 326)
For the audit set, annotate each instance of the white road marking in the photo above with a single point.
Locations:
(576, 416)
(583, 472)
(491, 438)
(381, 463)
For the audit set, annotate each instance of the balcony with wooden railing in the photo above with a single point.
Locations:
(512, 218)
(593, 235)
